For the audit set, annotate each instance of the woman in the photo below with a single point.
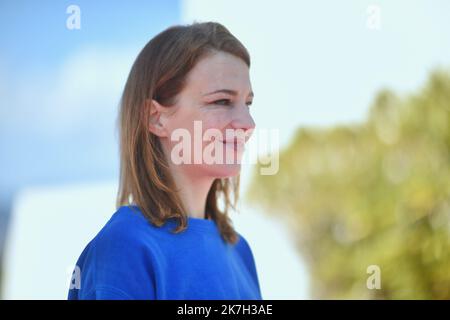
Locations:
(168, 238)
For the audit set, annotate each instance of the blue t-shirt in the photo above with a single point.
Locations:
(132, 259)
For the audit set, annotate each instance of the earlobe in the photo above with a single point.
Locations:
(155, 125)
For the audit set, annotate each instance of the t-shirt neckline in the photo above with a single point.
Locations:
(193, 222)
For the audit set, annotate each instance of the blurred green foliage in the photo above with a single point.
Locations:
(375, 193)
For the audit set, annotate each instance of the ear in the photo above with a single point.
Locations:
(157, 115)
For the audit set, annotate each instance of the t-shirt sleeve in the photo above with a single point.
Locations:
(119, 265)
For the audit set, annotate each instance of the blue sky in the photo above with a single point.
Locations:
(34, 33)
(35, 47)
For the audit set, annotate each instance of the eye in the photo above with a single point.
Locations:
(223, 102)
(249, 103)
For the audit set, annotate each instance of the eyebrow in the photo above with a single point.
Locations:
(228, 91)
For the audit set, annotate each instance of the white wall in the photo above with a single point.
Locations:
(49, 228)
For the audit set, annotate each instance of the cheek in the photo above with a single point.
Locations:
(195, 123)
(215, 120)
(182, 119)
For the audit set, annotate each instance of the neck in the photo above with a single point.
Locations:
(193, 190)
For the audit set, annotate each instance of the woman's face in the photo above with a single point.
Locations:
(210, 122)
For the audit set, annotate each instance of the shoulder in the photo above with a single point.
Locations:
(242, 243)
(125, 243)
(246, 254)
(128, 223)
(127, 234)
(124, 225)
(244, 250)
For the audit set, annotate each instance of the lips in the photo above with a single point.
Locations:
(234, 140)
(235, 143)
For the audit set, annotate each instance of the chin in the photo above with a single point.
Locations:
(224, 170)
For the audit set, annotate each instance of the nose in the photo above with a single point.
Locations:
(243, 121)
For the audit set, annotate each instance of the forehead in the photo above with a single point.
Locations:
(218, 71)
